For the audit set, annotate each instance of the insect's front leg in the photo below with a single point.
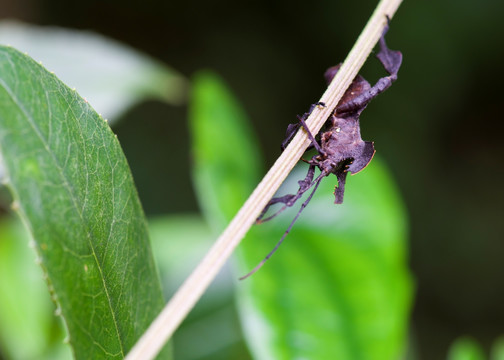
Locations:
(293, 128)
(289, 134)
(311, 137)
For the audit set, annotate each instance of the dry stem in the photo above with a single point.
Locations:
(191, 290)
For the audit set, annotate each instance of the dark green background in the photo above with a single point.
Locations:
(439, 127)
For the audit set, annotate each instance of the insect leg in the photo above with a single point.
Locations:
(339, 190)
(289, 134)
(310, 136)
(317, 182)
(391, 61)
(290, 199)
(293, 128)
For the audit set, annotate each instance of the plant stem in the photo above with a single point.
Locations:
(193, 288)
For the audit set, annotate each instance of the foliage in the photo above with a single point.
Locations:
(110, 75)
(73, 188)
(338, 288)
(467, 348)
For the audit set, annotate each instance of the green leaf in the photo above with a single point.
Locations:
(498, 349)
(339, 287)
(225, 152)
(189, 239)
(28, 328)
(73, 188)
(466, 348)
(110, 75)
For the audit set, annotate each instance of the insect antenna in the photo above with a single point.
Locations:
(317, 183)
(261, 220)
(289, 200)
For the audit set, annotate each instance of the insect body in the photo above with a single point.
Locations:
(341, 149)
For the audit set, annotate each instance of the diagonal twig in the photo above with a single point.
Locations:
(195, 285)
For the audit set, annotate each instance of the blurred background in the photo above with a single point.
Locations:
(438, 128)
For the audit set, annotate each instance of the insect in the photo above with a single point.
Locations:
(341, 149)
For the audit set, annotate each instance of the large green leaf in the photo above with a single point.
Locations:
(339, 287)
(73, 188)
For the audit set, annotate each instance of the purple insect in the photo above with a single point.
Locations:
(341, 148)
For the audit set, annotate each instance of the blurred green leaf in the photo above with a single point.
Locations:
(179, 242)
(73, 188)
(28, 328)
(110, 75)
(466, 348)
(211, 331)
(339, 288)
(225, 151)
(498, 349)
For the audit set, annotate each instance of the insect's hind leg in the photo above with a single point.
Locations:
(391, 61)
(316, 183)
(290, 199)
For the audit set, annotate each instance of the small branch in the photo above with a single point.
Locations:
(191, 290)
